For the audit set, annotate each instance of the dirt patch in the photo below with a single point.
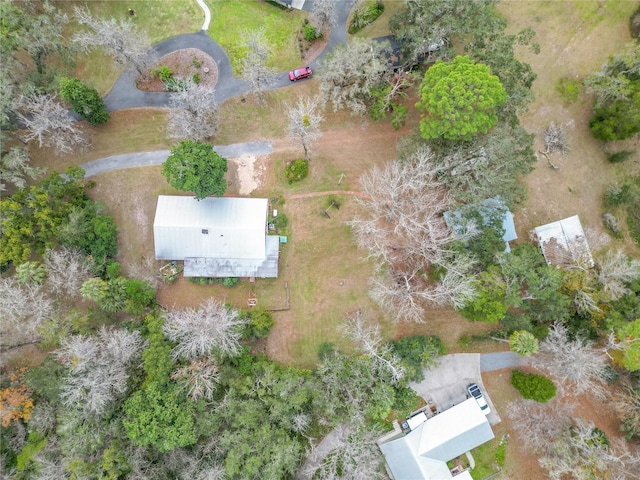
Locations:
(186, 63)
(246, 173)
(575, 41)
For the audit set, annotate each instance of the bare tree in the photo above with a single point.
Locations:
(304, 122)
(539, 424)
(353, 71)
(582, 452)
(194, 114)
(48, 122)
(198, 378)
(573, 362)
(369, 341)
(555, 140)
(15, 168)
(199, 332)
(404, 231)
(23, 307)
(354, 457)
(254, 64)
(98, 367)
(615, 271)
(67, 270)
(120, 39)
(322, 14)
(627, 403)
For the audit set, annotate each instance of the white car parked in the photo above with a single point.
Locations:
(475, 392)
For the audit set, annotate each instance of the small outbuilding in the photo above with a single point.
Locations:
(495, 206)
(216, 237)
(563, 243)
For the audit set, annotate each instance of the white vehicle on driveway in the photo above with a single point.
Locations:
(475, 392)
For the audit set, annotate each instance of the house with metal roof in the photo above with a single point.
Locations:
(423, 453)
(563, 243)
(457, 220)
(216, 237)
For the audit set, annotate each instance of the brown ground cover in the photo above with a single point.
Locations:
(185, 63)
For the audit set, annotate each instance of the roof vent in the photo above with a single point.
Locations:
(205, 231)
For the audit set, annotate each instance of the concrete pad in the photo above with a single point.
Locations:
(445, 385)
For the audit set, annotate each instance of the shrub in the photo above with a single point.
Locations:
(568, 89)
(309, 33)
(196, 62)
(633, 219)
(163, 72)
(532, 386)
(196, 78)
(297, 170)
(621, 156)
(84, 100)
(230, 282)
(611, 224)
(616, 195)
(634, 23)
(364, 14)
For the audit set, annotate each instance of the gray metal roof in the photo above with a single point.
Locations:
(266, 267)
(455, 219)
(422, 453)
(563, 243)
(224, 231)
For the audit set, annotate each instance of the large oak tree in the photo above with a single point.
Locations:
(196, 167)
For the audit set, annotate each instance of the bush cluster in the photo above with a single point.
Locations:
(297, 170)
(532, 386)
(363, 16)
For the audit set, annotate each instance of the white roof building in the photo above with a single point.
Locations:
(423, 453)
(563, 243)
(216, 236)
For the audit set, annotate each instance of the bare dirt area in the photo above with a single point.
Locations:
(576, 38)
(185, 63)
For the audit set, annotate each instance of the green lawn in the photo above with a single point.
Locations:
(231, 20)
(158, 19)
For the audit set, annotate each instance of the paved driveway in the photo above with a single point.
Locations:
(445, 385)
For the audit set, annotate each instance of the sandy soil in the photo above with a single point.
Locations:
(246, 173)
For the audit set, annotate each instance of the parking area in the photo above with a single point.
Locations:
(445, 385)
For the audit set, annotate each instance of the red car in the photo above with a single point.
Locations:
(298, 73)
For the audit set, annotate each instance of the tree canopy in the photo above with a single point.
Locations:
(84, 100)
(196, 167)
(459, 100)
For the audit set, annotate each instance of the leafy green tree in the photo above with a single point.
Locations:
(260, 323)
(532, 386)
(617, 88)
(417, 352)
(31, 273)
(159, 416)
(459, 99)
(158, 362)
(84, 100)
(523, 343)
(31, 218)
(140, 295)
(490, 304)
(629, 336)
(195, 167)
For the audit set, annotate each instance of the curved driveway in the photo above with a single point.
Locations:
(125, 94)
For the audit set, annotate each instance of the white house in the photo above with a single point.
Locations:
(216, 237)
(423, 453)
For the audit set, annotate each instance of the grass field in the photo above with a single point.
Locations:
(158, 19)
(280, 27)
